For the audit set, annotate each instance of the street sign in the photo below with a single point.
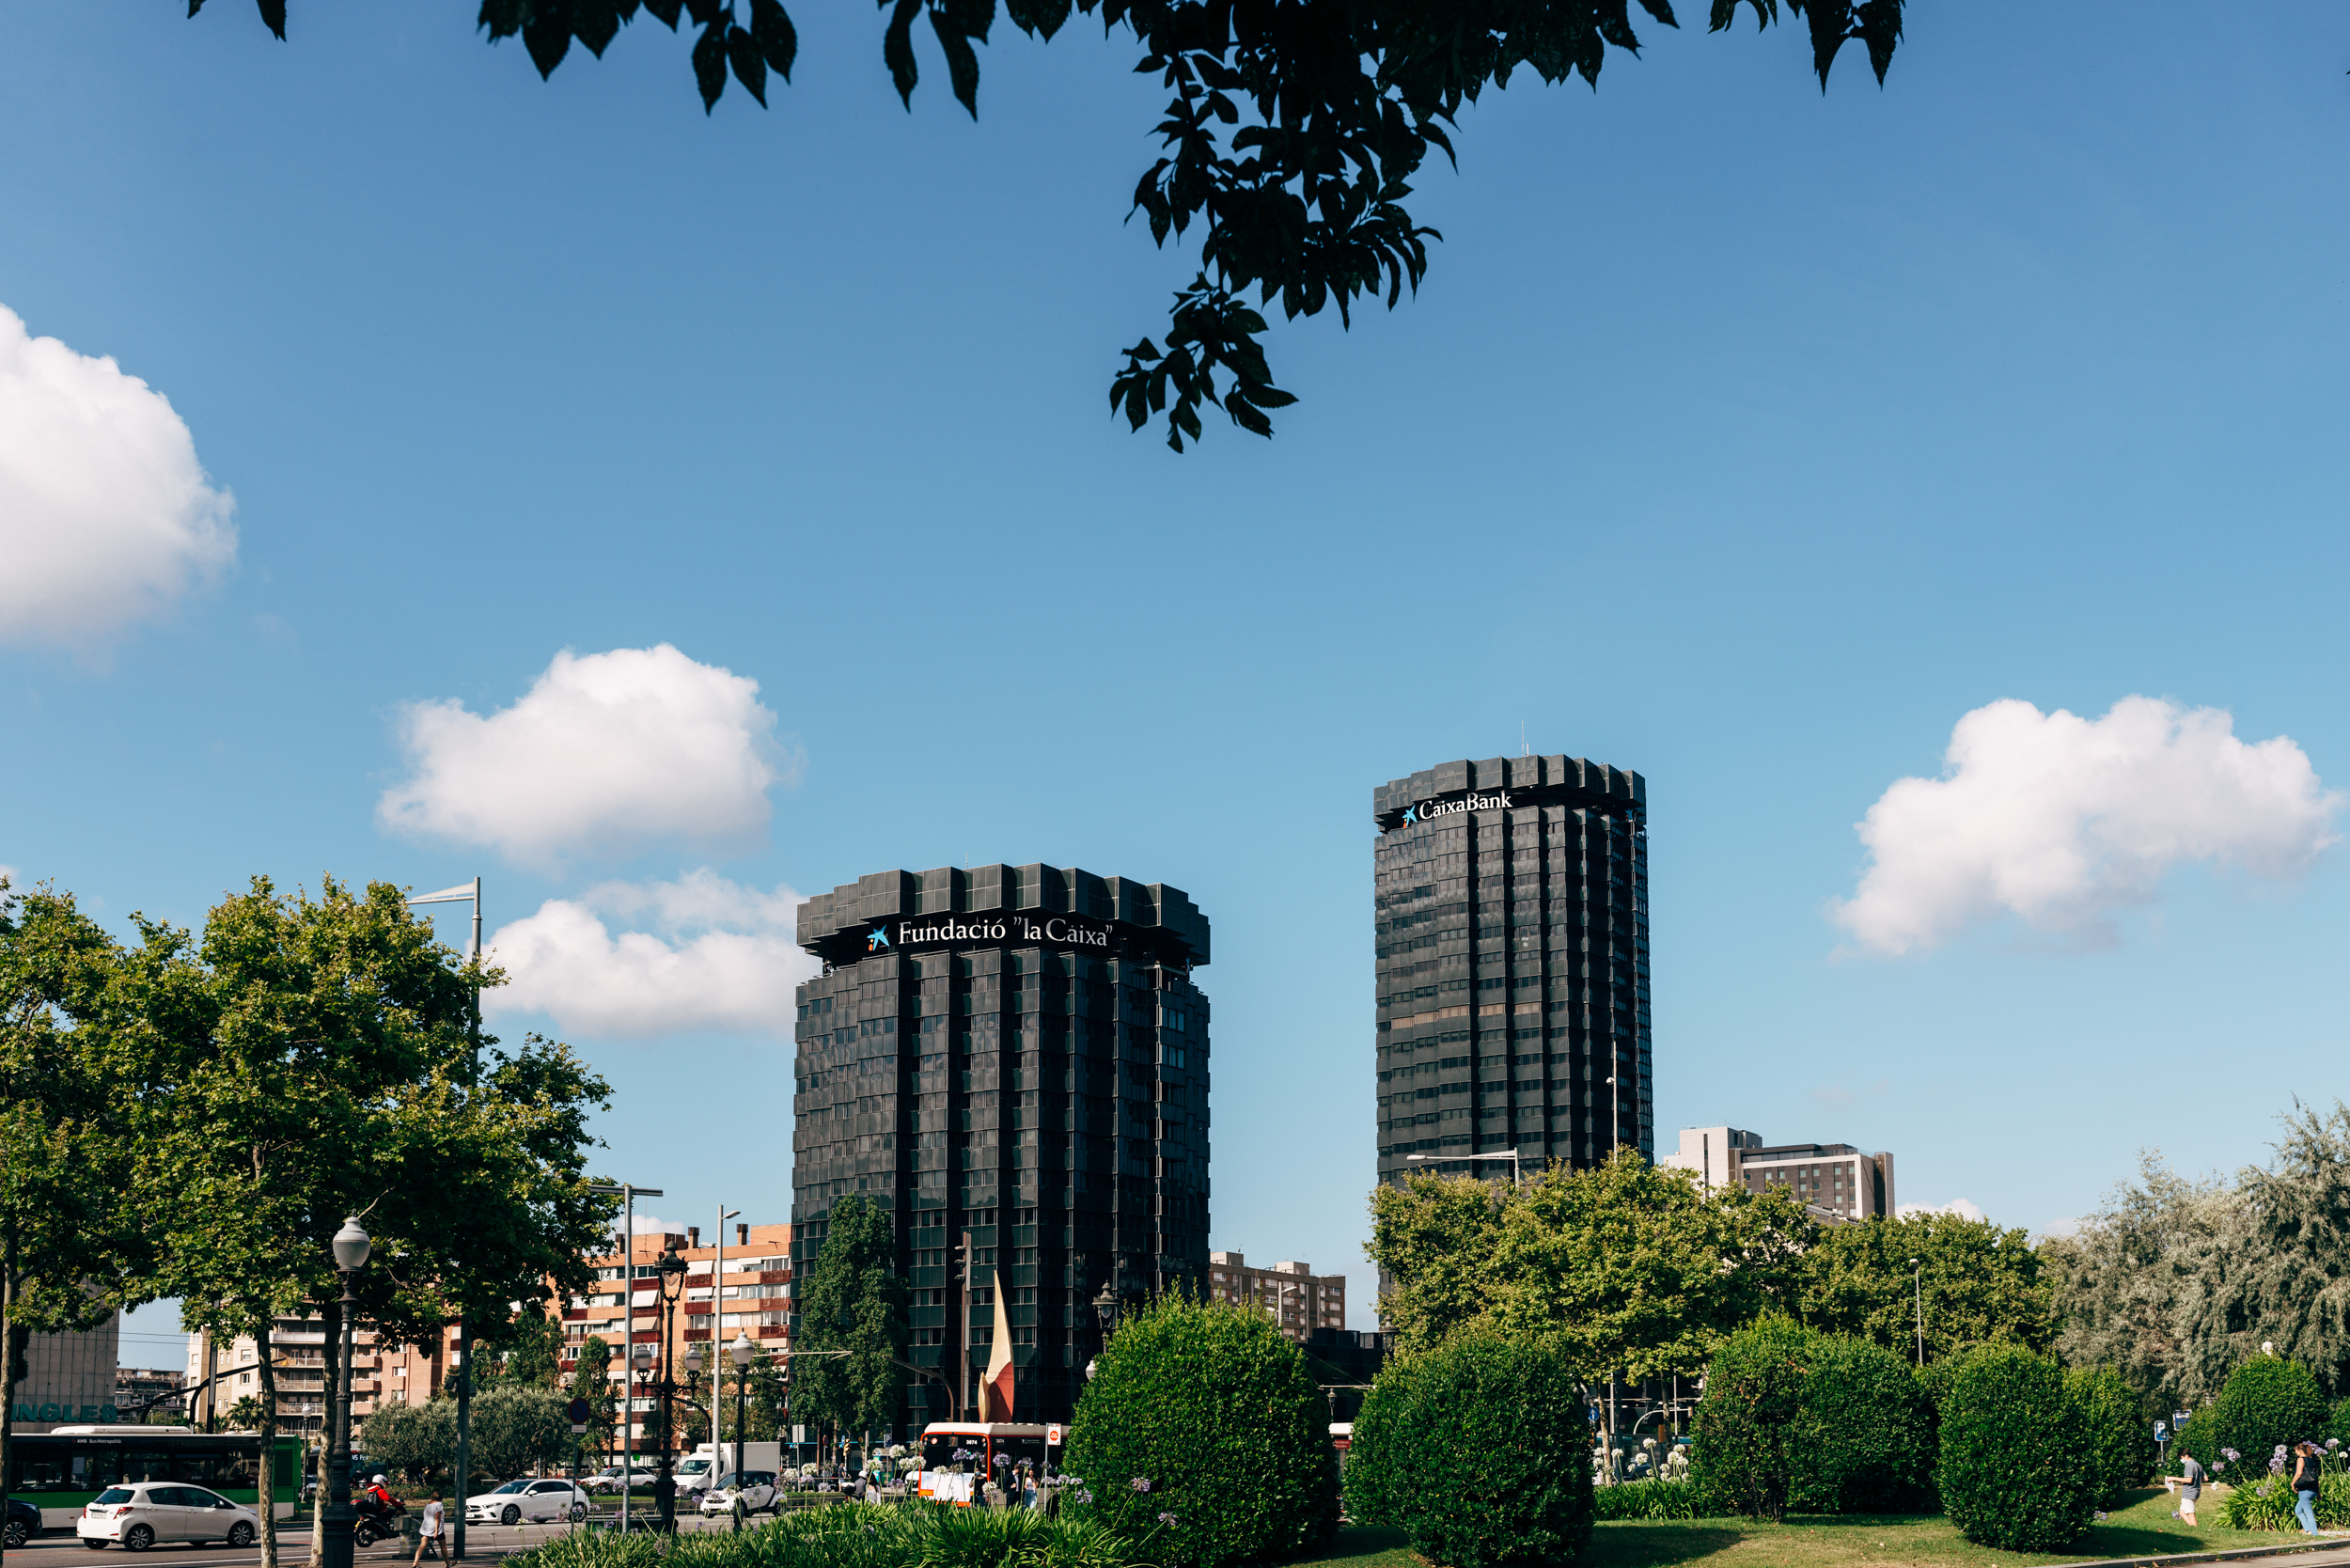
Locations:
(580, 1411)
(799, 1434)
(578, 1428)
(2180, 1417)
(1051, 1435)
(2162, 1431)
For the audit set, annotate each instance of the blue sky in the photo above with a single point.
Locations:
(1743, 436)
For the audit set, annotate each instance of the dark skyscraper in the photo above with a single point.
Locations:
(1016, 1055)
(1512, 964)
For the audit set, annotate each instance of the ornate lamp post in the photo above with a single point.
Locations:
(336, 1518)
(669, 1273)
(1106, 1312)
(740, 1352)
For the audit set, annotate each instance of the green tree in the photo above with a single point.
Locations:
(1981, 1285)
(1204, 1414)
(1631, 1268)
(411, 1440)
(591, 1380)
(319, 1059)
(245, 1415)
(71, 1249)
(853, 1299)
(1289, 146)
(2121, 1278)
(517, 1426)
(532, 1351)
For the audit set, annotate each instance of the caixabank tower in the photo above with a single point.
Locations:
(1513, 965)
(1015, 1057)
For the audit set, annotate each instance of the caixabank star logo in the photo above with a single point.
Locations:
(876, 939)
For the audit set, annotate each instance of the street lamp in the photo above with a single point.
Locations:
(670, 1275)
(740, 1351)
(336, 1519)
(464, 892)
(1918, 1279)
(1513, 1155)
(1105, 1312)
(718, 1322)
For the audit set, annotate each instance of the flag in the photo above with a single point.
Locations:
(995, 1387)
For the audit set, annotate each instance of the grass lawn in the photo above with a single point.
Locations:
(2144, 1528)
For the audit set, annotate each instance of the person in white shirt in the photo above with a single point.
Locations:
(429, 1533)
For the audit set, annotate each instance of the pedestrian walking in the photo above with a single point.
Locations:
(429, 1532)
(2190, 1488)
(2306, 1469)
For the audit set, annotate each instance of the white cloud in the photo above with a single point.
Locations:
(2061, 1228)
(720, 959)
(603, 754)
(646, 1225)
(1964, 1208)
(2061, 821)
(105, 514)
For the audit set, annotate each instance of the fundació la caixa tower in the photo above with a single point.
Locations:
(1014, 1053)
(1512, 964)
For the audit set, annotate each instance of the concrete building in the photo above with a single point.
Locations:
(1838, 1182)
(134, 1386)
(299, 1346)
(1300, 1300)
(68, 1379)
(1512, 964)
(746, 1290)
(1015, 1056)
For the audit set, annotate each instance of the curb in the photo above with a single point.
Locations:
(2240, 1554)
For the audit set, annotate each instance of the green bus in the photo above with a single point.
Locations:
(59, 1472)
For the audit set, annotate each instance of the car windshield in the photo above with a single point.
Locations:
(512, 1486)
(114, 1494)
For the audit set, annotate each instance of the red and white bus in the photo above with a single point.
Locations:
(958, 1456)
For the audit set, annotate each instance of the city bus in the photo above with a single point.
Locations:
(59, 1472)
(957, 1456)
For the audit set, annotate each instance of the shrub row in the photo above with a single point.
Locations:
(856, 1535)
(1794, 1421)
(2266, 1402)
(2267, 1504)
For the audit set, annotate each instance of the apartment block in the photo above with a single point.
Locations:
(1300, 1300)
(1837, 1182)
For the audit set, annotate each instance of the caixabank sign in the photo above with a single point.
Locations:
(1025, 927)
(1451, 803)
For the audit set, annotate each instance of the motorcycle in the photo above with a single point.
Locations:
(377, 1521)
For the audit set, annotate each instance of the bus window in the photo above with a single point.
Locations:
(1023, 1448)
(46, 1472)
(951, 1451)
(143, 1465)
(202, 1468)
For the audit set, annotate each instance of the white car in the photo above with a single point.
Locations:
(757, 1488)
(534, 1501)
(145, 1512)
(608, 1479)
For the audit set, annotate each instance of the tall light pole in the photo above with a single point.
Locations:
(717, 1323)
(337, 1517)
(1918, 1279)
(740, 1351)
(628, 1196)
(1513, 1155)
(670, 1273)
(464, 892)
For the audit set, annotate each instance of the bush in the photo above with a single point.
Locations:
(2267, 1401)
(2120, 1451)
(853, 1535)
(1477, 1450)
(2267, 1503)
(1748, 1421)
(1865, 1443)
(1646, 1500)
(2014, 1437)
(1203, 1431)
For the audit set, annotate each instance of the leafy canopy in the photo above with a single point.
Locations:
(1294, 130)
(855, 1300)
(1981, 1285)
(1627, 1267)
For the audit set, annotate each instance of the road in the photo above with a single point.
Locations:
(483, 1542)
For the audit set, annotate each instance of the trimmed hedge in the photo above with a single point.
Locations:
(2266, 1402)
(1749, 1420)
(2013, 1436)
(1202, 1433)
(853, 1535)
(1866, 1441)
(2120, 1451)
(1477, 1450)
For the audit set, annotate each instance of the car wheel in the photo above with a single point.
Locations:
(241, 1534)
(510, 1516)
(579, 1511)
(137, 1538)
(93, 1544)
(16, 1534)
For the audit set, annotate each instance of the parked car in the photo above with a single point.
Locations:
(138, 1516)
(24, 1523)
(757, 1488)
(608, 1479)
(535, 1501)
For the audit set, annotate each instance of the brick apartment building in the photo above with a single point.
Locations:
(1300, 1300)
(1837, 1183)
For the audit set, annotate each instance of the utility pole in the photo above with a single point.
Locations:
(628, 1196)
